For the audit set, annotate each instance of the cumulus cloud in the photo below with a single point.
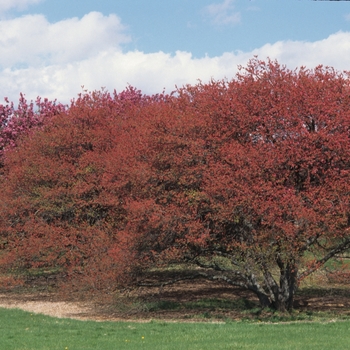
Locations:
(222, 13)
(332, 51)
(114, 70)
(32, 40)
(55, 60)
(6, 5)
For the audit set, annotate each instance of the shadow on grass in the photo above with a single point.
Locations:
(207, 304)
(317, 292)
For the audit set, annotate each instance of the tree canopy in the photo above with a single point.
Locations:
(241, 178)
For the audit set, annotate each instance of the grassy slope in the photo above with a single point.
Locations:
(22, 330)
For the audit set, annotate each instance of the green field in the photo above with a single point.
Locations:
(22, 330)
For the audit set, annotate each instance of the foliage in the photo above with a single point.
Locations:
(254, 171)
(15, 122)
(67, 189)
(240, 178)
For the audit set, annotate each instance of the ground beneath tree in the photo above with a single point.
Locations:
(190, 300)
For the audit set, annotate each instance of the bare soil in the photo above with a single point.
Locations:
(189, 300)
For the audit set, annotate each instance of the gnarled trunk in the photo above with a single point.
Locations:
(281, 295)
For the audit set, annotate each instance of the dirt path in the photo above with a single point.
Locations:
(43, 305)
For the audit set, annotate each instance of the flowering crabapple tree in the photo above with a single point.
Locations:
(248, 180)
(66, 191)
(15, 122)
(249, 175)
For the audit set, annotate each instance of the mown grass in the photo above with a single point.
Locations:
(25, 331)
(257, 328)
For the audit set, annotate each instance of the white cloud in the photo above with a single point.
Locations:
(6, 5)
(32, 40)
(113, 70)
(333, 51)
(223, 13)
(55, 60)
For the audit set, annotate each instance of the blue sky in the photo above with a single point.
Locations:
(51, 48)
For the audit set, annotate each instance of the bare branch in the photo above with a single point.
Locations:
(166, 283)
(334, 251)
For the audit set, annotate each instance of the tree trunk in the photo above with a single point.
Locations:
(288, 287)
(280, 296)
(283, 303)
(264, 300)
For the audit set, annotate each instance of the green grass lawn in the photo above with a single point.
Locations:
(22, 330)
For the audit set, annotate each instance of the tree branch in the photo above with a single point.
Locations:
(336, 250)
